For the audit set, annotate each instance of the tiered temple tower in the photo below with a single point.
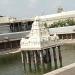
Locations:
(36, 48)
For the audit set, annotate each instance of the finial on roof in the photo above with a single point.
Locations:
(37, 18)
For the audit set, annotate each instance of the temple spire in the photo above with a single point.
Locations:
(38, 37)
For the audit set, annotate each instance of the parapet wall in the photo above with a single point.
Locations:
(67, 70)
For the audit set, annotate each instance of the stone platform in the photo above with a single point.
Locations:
(67, 70)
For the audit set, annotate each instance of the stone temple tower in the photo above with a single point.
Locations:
(35, 50)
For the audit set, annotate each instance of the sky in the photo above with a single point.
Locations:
(31, 8)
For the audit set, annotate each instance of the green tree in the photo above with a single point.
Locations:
(45, 24)
(61, 23)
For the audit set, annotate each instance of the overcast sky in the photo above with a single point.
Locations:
(31, 8)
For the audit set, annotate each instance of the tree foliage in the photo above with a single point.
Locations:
(62, 23)
(45, 24)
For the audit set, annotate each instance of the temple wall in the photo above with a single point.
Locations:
(8, 45)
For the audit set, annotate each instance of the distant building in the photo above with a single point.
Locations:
(50, 19)
(67, 32)
(12, 24)
(4, 19)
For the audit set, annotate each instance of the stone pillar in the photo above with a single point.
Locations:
(34, 61)
(62, 36)
(49, 59)
(23, 60)
(22, 56)
(13, 27)
(55, 57)
(11, 44)
(41, 61)
(71, 35)
(18, 27)
(27, 26)
(29, 59)
(35, 57)
(60, 56)
(41, 57)
(15, 42)
(4, 45)
(38, 60)
(67, 37)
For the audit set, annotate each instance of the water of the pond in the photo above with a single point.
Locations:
(15, 67)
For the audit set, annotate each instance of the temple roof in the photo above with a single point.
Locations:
(39, 37)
